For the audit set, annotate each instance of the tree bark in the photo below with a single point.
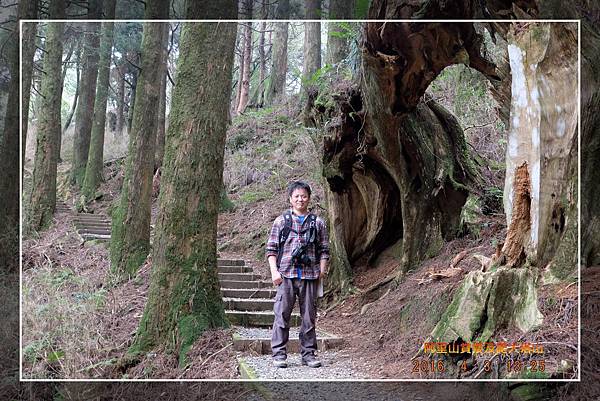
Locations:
(184, 297)
(130, 236)
(76, 96)
(312, 46)
(9, 146)
(247, 55)
(43, 194)
(29, 34)
(162, 105)
(276, 88)
(134, 77)
(262, 57)
(85, 108)
(337, 41)
(399, 166)
(93, 169)
(120, 99)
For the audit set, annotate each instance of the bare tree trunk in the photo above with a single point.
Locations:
(134, 77)
(247, 55)
(85, 107)
(120, 99)
(162, 105)
(9, 146)
(93, 170)
(76, 95)
(29, 34)
(184, 297)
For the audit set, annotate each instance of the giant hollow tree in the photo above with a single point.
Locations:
(130, 236)
(184, 297)
(399, 172)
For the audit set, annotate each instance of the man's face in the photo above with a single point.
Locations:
(299, 199)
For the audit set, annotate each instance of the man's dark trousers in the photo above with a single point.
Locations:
(287, 291)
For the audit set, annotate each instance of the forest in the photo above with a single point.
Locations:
(443, 157)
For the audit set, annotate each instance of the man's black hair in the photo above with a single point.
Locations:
(298, 185)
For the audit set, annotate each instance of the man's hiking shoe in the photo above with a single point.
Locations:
(311, 361)
(279, 363)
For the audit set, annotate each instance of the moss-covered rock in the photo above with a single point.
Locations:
(487, 301)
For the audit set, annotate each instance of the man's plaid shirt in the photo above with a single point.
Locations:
(294, 240)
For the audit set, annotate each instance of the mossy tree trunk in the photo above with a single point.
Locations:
(130, 236)
(399, 167)
(85, 108)
(95, 160)
(184, 297)
(276, 87)
(312, 44)
(337, 41)
(43, 194)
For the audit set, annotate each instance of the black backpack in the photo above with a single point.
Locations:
(287, 228)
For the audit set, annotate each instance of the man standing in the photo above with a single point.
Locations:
(298, 253)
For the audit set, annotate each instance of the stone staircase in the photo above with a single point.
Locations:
(247, 297)
(249, 305)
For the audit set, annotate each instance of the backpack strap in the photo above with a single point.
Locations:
(284, 234)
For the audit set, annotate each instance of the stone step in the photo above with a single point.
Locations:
(90, 237)
(231, 262)
(88, 226)
(249, 293)
(248, 304)
(257, 318)
(93, 231)
(235, 269)
(238, 276)
(87, 220)
(245, 284)
(258, 340)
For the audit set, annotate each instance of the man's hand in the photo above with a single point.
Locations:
(276, 277)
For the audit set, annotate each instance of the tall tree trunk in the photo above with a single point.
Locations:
(276, 89)
(76, 95)
(120, 99)
(238, 84)
(337, 41)
(9, 146)
(85, 108)
(184, 297)
(29, 34)
(43, 193)
(134, 77)
(130, 236)
(162, 105)
(312, 55)
(93, 169)
(262, 64)
(247, 55)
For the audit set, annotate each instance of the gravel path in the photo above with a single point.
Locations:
(257, 332)
(336, 365)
